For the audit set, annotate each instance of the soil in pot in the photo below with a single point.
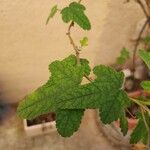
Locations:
(50, 117)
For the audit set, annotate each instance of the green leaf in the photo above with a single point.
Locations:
(140, 133)
(124, 56)
(75, 12)
(84, 42)
(68, 121)
(146, 85)
(112, 99)
(52, 13)
(64, 74)
(124, 123)
(145, 56)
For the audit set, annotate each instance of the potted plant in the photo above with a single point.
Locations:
(64, 94)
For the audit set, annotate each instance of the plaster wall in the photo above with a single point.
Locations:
(27, 46)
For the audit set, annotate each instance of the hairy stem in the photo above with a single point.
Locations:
(75, 47)
(73, 44)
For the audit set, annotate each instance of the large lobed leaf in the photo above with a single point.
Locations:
(63, 93)
(64, 74)
(75, 12)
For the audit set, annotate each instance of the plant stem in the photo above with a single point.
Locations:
(88, 78)
(141, 105)
(75, 47)
(130, 114)
(138, 41)
(73, 44)
(143, 8)
(145, 103)
(148, 5)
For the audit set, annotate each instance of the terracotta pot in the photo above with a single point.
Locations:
(132, 123)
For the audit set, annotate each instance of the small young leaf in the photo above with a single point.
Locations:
(84, 42)
(124, 123)
(124, 56)
(52, 13)
(75, 12)
(140, 133)
(145, 56)
(68, 121)
(146, 85)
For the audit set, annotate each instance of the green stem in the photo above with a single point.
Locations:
(145, 103)
(141, 105)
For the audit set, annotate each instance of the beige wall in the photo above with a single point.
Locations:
(27, 46)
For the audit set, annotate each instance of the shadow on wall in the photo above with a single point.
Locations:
(4, 111)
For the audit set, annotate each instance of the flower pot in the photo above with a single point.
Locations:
(39, 128)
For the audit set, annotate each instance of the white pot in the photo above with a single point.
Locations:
(39, 129)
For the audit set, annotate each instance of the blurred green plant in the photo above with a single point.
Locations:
(124, 56)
